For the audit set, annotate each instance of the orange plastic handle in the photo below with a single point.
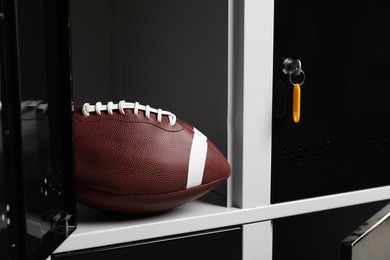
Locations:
(297, 103)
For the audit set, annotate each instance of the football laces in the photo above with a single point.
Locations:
(122, 105)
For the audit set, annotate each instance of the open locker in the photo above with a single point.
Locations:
(168, 54)
(171, 55)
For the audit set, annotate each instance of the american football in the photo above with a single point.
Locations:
(131, 158)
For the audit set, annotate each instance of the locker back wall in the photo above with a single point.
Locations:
(178, 63)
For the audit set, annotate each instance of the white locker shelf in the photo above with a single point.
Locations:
(97, 229)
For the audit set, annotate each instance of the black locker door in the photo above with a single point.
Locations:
(9, 191)
(37, 209)
(213, 244)
(342, 140)
(317, 235)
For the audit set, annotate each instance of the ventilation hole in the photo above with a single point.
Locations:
(321, 149)
(291, 154)
(284, 150)
(299, 158)
(299, 147)
(306, 151)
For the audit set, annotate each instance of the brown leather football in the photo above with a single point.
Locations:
(132, 158)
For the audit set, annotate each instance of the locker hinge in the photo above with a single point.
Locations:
(62, 220)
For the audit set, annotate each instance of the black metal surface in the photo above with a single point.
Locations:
(216, 244)
(36, 148)
(3, 187)
(46, 122)
(11, 198)
(342, 141)
(318, 235)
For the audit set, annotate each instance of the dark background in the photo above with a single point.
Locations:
(168, 54)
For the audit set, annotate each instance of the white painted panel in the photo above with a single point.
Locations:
(257, 241)
(257, 105)
(250, 101)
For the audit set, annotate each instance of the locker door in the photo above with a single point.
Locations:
(37, 210)
(341, 142)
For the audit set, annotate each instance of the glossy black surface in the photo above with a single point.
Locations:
(342, 141)
(37, 168)
(216, 244)
(318, 235)
(370, 240)
(3, 186)
(3, 191)
(11, 195)
(46, 122)
(3, 205)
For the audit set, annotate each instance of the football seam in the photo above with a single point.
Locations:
(125, 121)
(152, 195)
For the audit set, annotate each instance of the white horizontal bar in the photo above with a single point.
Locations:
(99, 229)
